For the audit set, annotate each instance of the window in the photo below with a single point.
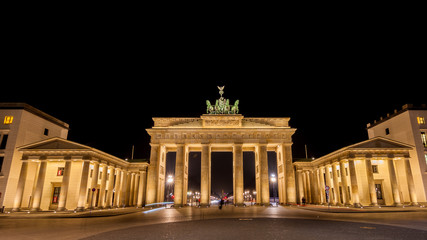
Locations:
(8, 120)
(423, 138)
(387, 131)
(338, 173)
(46, 132)
(421, 120)
(3, 141)
(2, 158)
(60, 171)
(55, 197)
(375, 168)
(346, 172)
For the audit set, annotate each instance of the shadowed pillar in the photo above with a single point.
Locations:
(238, 174)
(205, 175)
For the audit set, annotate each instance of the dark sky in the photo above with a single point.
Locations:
(107, 82)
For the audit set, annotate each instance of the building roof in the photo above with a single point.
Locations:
(396, 112)
(34, 111)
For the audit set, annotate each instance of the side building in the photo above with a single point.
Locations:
(408, 125)
(41, 170)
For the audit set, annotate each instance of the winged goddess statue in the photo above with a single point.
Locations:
(221, 90)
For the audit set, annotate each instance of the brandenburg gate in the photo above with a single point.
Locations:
(222, 129)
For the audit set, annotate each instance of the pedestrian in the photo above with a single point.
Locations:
(303, 201)
(221, 203)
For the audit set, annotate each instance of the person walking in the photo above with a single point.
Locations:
(221, 203)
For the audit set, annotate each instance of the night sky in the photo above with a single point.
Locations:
(108, 87)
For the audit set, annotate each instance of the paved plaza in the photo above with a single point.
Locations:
(310, 222)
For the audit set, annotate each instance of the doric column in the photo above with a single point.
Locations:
(289, 173)
(83, 186)
(131, 189)
(328, 175)
(20, 188)
(126, 189)
(354, 186)
(94, 184)
(64, 186)
(135, 189)
(410, 180)
(300, 186)
(310, 194)
(118, 187)
(39, 186)
(337, 197)
(142, 187)
(345, 193)
(110, 187)
(371, 183)
(306, 186)
(321, 185)
(179, 175)
(313, 181)
(101, 199)
(205, 173)
(263, 165)
(153, 174)
(393, 181)
(238, 173)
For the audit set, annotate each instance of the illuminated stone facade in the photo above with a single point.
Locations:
(220, 133)
(41, 170)
(371, 173)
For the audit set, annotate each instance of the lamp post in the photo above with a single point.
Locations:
(170, 182)
(273, 180)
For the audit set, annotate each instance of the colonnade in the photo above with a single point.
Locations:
(156, 172)
(101, 184)
(352, 181)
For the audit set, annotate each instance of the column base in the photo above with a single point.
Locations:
(15, 210)
(79, 209)
(35, 209)
(374, 205)
(205, 205)
(61, 209)
(397, 205)
(357, 205)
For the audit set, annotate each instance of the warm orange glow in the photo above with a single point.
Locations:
(8, 119)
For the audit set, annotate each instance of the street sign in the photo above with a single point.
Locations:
(93, 189)
(327, 188)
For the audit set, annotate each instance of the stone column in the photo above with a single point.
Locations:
(142, 187)
(64, 187)
(371, 182)
(315, 186)
(300, 186)
(205, 173)
(39, 187)
(20, 188)
(410, 180)
(321, 185)
(238, 174)
(83, 186)
(101, 200)
(393, 181)
(354, 186)
(289, 174)
(263, 163)
(110, 187)
(345, 193)
(153, 174)
(118, 187)
(309, 188)
(179, 175)
(135, 189)
(94, 184)
(337, 197)
(305, 181)
(329, 183)
(131, 189)
(126, 189)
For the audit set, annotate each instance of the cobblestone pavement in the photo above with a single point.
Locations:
(277, 222)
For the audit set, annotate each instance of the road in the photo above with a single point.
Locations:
(228, 223)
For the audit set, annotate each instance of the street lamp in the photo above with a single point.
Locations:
(273, 180)
(170, 182)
